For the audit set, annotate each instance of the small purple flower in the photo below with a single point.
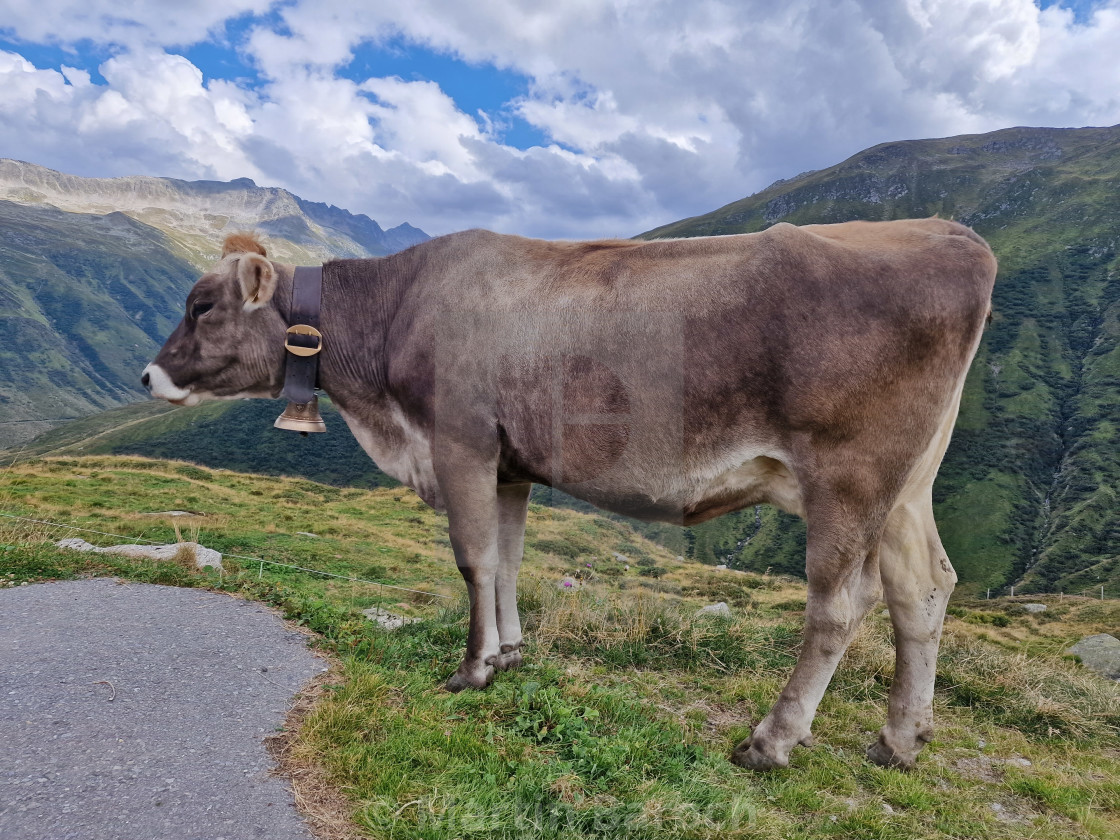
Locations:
(568, 584)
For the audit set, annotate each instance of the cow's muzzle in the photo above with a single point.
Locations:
(160, 386)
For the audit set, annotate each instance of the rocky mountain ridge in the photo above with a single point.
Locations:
(196, 214)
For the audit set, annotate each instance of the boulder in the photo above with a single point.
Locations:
(388, 620)
(1034, 608)
(1100, 653)
(203, 556)
(715, 609)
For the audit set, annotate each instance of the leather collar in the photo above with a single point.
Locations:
(303, 340)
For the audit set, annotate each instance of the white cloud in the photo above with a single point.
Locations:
(656, 109)
(122, 22)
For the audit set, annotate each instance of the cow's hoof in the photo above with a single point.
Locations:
(879, 753)
(508, 658)
(465, 677)
(748, 756)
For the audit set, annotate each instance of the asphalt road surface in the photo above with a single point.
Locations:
(138, 712)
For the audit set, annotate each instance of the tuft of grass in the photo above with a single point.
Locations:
(1046, 700)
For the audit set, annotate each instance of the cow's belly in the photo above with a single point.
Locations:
(698, 495)
(754, 481)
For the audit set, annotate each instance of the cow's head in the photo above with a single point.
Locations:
(230, 343)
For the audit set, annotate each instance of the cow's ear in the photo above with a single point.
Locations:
(258, 280)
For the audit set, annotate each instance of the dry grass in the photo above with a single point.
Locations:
(325, 808)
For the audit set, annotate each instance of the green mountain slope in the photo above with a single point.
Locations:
(85, 301)
(1028, 492)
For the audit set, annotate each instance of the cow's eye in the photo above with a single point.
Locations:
(200, 309)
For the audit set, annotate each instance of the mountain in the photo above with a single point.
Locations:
(94, 272)
(1030, 490)
(195, 215)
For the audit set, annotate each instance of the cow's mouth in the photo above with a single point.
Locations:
(159, 385)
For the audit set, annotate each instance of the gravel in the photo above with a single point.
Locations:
(134, 711)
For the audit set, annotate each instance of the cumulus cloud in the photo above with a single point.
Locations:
(653, 110)
(122, 22)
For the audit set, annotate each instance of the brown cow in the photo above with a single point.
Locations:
(815, 368)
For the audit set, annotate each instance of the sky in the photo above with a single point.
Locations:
(566, 119)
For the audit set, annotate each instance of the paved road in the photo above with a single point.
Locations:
(137, 712)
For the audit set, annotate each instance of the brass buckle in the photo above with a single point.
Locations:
(303, 329)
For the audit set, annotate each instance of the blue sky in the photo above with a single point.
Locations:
(591, 118)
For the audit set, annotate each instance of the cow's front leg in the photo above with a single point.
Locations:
(471, 494)
(513, 505)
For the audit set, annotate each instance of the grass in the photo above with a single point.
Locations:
(621, 721)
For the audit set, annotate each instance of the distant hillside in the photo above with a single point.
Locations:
(234, 435)
(94, 272)
(1030, 490)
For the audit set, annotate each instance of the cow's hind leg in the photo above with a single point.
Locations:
(917, 579)
(843, 573)
(513, 505)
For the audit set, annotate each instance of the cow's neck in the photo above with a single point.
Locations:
(360, 301)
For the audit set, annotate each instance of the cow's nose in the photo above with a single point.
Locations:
(146, 380)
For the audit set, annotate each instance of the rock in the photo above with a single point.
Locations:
(307, 534)
(1100, 653)
(75, 544)
(203, 556)
(715, 609)
(388, 620)
(885, 613)
(1034, 608)
(621, 558)
(722, 567)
